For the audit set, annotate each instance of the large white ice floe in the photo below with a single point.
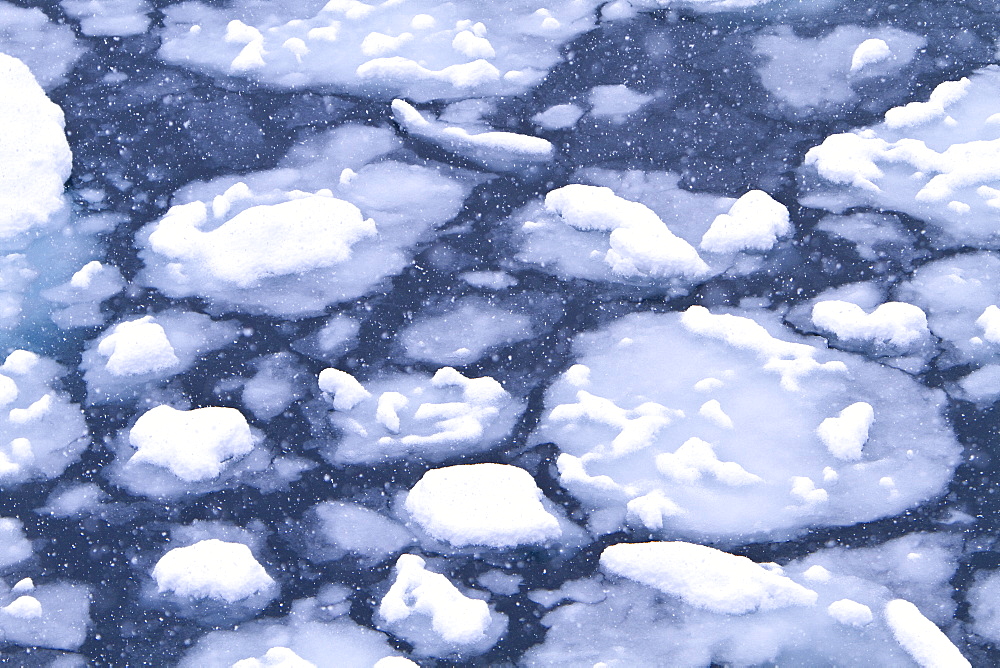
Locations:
(325, 228)
(491, 505)
(727, 426)
(414, 415)
(142, 351)
(496, 150)
(860, 317)
(642, 229)
(53, 615)
(702, 606)
(41, 432)
(428, 611)
(422, 49)
(933, 160)
(35, 155)
(808, 76)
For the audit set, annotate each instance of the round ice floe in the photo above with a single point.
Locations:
(431, 418)
(700, 606)
(137, 352)
(212, 569)
(41, 433)
(283, 242)
(424, 51)
(495, 505)
(984, 601)
(428, 611)
(194, 445)
(79, 299)
(34, 151)
(715, 425)
(933, 160)
(704, 577)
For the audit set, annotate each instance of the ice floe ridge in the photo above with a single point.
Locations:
(381, 334)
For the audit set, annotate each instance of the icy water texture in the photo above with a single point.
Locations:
(638, 333)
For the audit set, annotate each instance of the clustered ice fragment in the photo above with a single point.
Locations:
(367, 333)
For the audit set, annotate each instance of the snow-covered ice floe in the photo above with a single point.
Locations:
(423, 50)
(723, 426)
(932, 159)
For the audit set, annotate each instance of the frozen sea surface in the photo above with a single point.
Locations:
(383, 334)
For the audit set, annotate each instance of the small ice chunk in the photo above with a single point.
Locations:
(137, 347)
(869, 52)
(894, 323)
(558, 117)
(712, 411)
(23, 607)
(22, 586)
(755, 222)
(454, 617)
(921, 638)
(495, 505)
(616, 101)
(346, 390)
(212, 569)
(850, 612)
(845, 435)
(194, 445)
(817, 573)
(989, 322)
(704, 577)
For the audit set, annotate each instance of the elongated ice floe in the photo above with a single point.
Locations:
(668, 419)
(423, 51)
(497, 150)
